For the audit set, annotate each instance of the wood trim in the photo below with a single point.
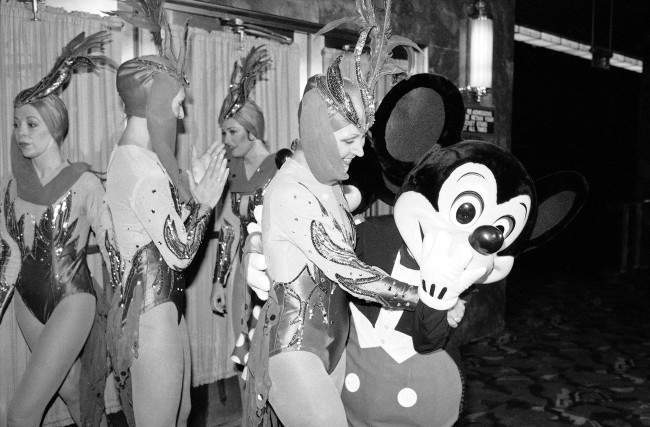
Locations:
(267, 20)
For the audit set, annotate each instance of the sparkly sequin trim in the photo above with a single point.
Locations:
(331, 89)
(115, 261)
(195, 226)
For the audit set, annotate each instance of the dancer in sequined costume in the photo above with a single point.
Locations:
(49, 207)
(297, 358)
(252, 167)
(159, 216)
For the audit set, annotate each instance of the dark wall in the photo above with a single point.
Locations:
(569, 115)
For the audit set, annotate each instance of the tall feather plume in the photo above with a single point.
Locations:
(382, 43)
(243, 79)
(150, 15)
(76, 55)
(146, 14)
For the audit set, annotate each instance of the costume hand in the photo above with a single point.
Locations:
(456, 313)
(200, 163)
(444, 272)
(256, 277)
(218, 299)
(207, 191)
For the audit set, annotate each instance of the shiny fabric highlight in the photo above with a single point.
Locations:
(314, 317)
(377, 285)
(52, 268)
(332, 89)
(195, 226)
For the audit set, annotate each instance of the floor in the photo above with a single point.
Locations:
(575, 351)
(216, 404)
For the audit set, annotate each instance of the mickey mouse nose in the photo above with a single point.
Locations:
(486, 239)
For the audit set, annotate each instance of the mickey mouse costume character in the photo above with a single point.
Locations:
(470, 203)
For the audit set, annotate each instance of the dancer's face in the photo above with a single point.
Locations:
(30, 132)
(349, 141)
(177, 104)
(238, 140)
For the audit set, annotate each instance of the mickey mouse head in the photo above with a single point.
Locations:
(474, 190)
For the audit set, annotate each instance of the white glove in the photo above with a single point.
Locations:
(256, 276)
(444, 270)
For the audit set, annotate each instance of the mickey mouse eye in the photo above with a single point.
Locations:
(506, 224)
(467, 207)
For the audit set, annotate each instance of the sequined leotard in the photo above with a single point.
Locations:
(51, 242)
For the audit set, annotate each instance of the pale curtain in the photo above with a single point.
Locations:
(383, 86)
(212, 59)
(28, 49)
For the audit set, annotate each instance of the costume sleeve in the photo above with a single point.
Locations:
(325, 243)
(156, 205)
(430, 328)
(97, 213)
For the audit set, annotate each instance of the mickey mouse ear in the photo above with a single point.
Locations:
(416, 114)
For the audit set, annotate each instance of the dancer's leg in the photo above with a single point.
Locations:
(55, 346)
(303, 394)
(186, 404)
(157, 372)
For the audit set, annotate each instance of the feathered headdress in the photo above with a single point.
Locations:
(150, 15)
(382, 43)
(75, 56)
(243, 79)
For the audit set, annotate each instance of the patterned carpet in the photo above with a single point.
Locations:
(575, 351)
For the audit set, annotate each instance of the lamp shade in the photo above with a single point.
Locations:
(480, 55)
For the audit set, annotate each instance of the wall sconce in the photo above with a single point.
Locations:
(480, 48)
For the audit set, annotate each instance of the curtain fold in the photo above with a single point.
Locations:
(212, 58)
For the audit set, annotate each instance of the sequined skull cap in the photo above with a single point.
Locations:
(381, 63)
(54, 114)
(250, 116)
(80, 54)
(237, 104)
(77, 55)
(318, 121)
(148, 84)
(135, 79)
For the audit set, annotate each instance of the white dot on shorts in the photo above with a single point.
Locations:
(352, 382)
(240, 340)
(407, 397)
(256, 312)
